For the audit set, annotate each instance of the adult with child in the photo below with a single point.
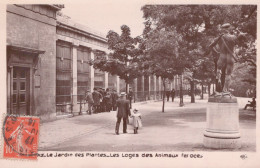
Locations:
(123, 111)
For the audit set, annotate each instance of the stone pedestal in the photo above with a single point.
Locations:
(222, 130)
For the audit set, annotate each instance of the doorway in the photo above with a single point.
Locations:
(21, 91)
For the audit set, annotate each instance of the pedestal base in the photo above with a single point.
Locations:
(222, 129)
(219, 143)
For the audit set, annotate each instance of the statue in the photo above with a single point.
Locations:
(224, 46)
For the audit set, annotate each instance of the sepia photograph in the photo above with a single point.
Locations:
(132, 80)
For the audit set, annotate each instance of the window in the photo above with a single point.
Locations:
(63, 73)
(99, 79)
(83, 69)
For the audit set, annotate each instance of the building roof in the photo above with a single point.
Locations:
(66, 21)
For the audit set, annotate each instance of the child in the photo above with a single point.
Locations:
(136, 120)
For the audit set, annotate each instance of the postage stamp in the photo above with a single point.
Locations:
(20, 137)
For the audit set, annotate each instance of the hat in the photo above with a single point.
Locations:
(226, 25)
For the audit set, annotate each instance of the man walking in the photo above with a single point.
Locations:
(122, 112)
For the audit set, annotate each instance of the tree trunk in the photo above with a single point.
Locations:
(192, 91)
(181, 94)
(126, 88)
(202, 91)
(209, 84)
(163, 94)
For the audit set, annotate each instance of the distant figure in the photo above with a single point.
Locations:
(102, 102)
(114, 96)
(137, 122)
(97, 98)
(123, 111)
(130, 96)
(168, 95)
(173, 94)
(248, 92)
(90, 101)
(251, 104)
(107, 101)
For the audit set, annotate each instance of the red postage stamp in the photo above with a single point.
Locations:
(21, 137)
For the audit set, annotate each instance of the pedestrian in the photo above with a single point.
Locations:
(130, 96)
(173, 94)
(123, 111)
(137, 122)
(89, 99)
(97, 98)
(107, 101)
(102, 102)
(114, 99)
(168, 95)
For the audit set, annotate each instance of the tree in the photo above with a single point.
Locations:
(162, 45)
(124, 58)
(198, 25)
(161, 56)
(187, 21)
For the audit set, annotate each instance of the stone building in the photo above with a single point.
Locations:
(31, 61)
(47, 69)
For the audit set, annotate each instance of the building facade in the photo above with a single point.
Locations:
(47, 64)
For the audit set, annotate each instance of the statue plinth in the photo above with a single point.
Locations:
(222, 130)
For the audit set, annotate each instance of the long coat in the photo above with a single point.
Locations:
(89, 98)
(123, 108)
(96, 97)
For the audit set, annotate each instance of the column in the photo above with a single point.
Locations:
(149, 85)
(10, 86)
(160, 88)
(106, 77)
(92, 73)
(143, 94)
(135, 91)
(117, 84)
(74, 81)
(155, 88)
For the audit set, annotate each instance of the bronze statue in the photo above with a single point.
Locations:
(224, 47)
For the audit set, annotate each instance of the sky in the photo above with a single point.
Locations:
(106, 16)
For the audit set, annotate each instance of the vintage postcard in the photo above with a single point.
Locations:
(129, 83)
